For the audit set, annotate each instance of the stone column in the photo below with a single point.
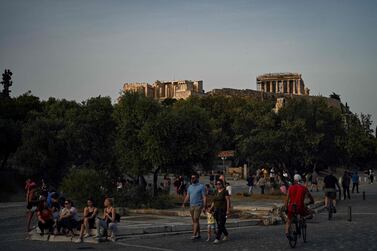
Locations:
(299, 87)
(288, 87)
(271, 86)
(277, 86)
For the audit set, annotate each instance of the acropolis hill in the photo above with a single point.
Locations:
(271, 86)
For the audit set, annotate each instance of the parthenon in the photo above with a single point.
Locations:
(160, 90)
(285, 83)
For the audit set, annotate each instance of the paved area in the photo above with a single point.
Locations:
(339, 234)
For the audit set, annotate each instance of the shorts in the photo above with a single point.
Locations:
(195, 211)
(31, 206)
(212, 226)
(301, 211)
(330, 193)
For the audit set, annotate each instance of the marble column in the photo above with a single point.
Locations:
(299, 87)
(288, 87)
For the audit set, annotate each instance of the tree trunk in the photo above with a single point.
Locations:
(4, 162)
(155, 180)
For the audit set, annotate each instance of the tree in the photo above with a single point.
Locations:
(177, 139)
(14, 113)
(44, 152)
(90, 135)
(132, 112)
(7, 82)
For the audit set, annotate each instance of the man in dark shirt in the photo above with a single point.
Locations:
(331, 183)
(346, 182)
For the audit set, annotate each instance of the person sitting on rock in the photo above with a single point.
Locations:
(45, 220)
(68, 219)
(89, 220)
(108, 221)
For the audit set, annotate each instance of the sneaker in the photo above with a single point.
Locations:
(216, 241)
(113, 239)
(208, 239)
(198, 237)
(86, 235)
(226, 238)
(193, 237)
(79, 240)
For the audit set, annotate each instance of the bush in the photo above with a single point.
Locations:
(80, 184)
(137, 197)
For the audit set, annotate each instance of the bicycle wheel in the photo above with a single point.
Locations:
(303, 230)
(293, 235)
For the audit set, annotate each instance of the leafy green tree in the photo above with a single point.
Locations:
(178, 139)
(90, 135)
(14, 113)
(44, 150)
(132, 112)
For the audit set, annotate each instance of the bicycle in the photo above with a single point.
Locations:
(297, 228)
(331, 207)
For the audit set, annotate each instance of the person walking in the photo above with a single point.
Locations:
(221, 206)
(314, 180)
(355, 182)
(250, 183)
(371, 176)
(196, 193)
(262, 184)
(346, 181)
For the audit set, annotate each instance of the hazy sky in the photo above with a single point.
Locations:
(78, 49)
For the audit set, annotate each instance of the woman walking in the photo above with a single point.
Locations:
(221, 206)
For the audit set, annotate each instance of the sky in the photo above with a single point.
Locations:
(84, 48)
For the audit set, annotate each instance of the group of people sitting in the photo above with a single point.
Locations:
(59, 216)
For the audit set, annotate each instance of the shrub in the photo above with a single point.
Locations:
(80, 184)
(137, 197)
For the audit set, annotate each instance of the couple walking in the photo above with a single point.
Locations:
(220, 206)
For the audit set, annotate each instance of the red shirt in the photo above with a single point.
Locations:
(297, 195)
(45, 214)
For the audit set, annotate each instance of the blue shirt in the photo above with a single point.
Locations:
(196, 193)
(355, 178)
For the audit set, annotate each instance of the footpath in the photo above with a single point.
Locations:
(145, 222)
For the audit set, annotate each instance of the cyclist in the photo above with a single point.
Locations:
(330, 185)
(296, 196)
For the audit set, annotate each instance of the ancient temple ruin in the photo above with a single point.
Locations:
(160, 90)
(284, 83)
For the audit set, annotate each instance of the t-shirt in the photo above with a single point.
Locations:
(45, 214)
(219, 200)
(355, 178)
(229, 189)
(297, 194)
(346, 180)
(210, 218)
(196, 193)
(72, 211)
(330, 181)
